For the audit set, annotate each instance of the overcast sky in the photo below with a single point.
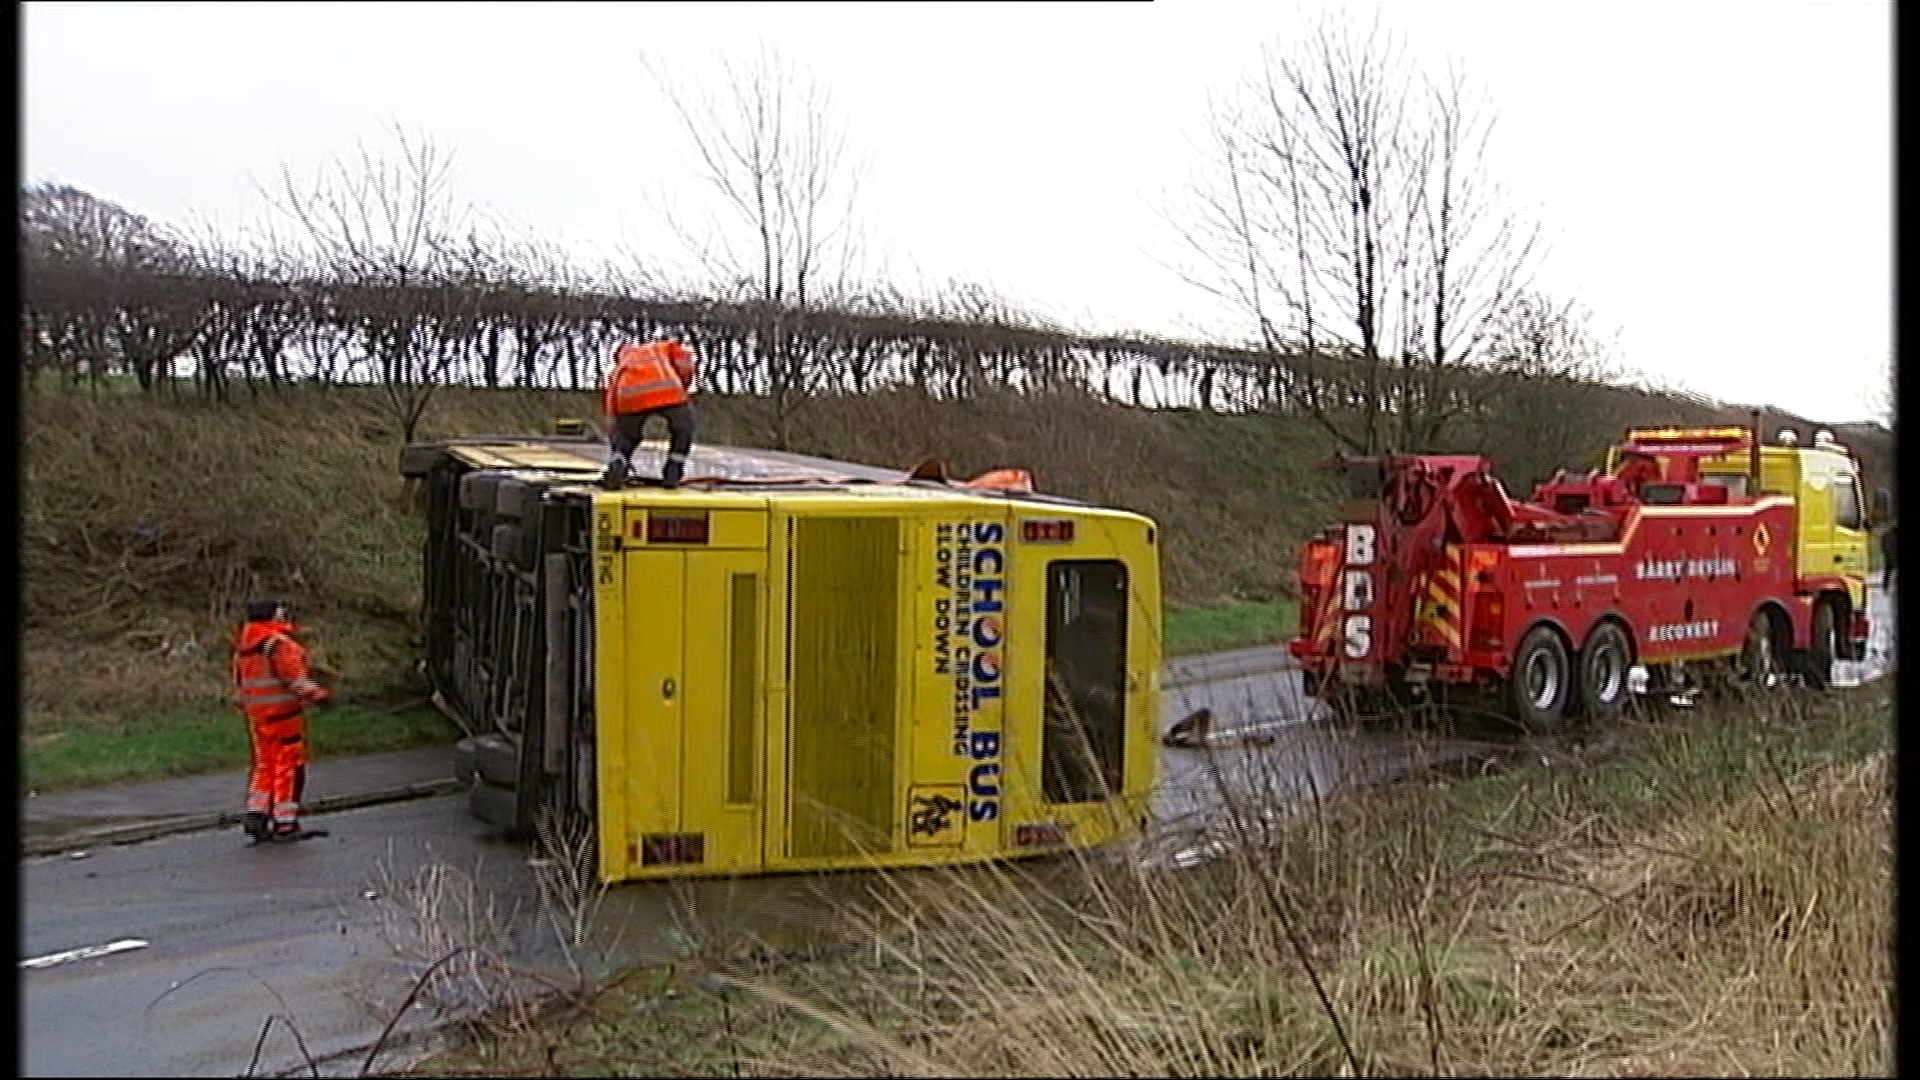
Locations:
(1715, 179)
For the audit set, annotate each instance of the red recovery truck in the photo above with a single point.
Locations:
(1695, 552)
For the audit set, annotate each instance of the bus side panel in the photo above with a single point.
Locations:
(610, 689)
(843, 662)
(653, 712)
(1145, 654)
(723, 724)
(951, 804)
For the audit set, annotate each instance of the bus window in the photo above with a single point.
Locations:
(1084, 731)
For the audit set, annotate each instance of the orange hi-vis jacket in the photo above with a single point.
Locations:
(270, 677)
(656, 375)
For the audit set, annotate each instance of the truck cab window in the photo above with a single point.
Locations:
(1082, 738)
(1735, 483)
(1846, 502)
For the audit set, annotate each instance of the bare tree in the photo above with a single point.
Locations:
(391, 227)
(1349, 217)
(783, 242)
(1545, 398)
(106, 288)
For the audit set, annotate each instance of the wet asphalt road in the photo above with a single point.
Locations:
(323, 934)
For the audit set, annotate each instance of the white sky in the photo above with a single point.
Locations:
(1715, 178)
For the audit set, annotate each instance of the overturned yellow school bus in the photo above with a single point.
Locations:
(788, 663)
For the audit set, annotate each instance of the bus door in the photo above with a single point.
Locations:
(686, 791)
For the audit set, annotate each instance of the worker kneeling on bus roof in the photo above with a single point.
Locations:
(654, 379)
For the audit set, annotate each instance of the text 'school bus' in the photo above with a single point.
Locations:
(788, 663)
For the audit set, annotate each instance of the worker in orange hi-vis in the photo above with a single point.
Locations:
(655, 379)
(274, 689)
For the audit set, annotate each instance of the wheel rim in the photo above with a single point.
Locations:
(1543, 680)
(1607, 671)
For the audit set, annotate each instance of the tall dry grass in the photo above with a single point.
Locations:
(146, 522)
(1717, 901)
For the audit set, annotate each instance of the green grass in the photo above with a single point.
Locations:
(187, 743)
(1200, 630)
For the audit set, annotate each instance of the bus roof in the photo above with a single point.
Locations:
(730, 469)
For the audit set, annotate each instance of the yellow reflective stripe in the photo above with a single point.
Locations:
(272, 699)
(645, 388)
(260, 682)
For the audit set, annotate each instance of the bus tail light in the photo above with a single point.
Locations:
(1046, 530)
(676, 528)
(1039, 834)
(673, 849)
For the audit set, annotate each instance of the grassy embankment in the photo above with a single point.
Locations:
(146, 524)
(1714, 900)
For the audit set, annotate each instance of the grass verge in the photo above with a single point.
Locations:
(1715, 900)
(1201, 630)
(189, 742)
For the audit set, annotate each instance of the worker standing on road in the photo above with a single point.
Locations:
(1887, 552)
(273, 686)
(655, 379)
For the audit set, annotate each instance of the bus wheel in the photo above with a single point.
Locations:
(1540, 685)
(1604, 662)
(1759, 665)
(1825, 645)
(495, 805)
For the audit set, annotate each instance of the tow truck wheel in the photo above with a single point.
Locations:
(1825, 646)
(1604, 662)
(1760, 652)
(1540, 685)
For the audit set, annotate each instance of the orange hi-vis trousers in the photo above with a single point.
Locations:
(279, 773)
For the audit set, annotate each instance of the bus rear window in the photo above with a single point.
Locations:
(1083, 738)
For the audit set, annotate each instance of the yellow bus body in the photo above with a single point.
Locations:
(852, 675)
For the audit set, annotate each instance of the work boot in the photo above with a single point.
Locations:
(615, 477)
(255, 826)
(287, 834)
(675, 471)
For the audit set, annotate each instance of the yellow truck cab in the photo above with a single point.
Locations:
(788, 663)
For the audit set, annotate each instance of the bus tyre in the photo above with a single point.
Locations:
(1604, 662)
(497, 806)
(418, 459)
(476, 490)
(489, 758)
(1825, 646)
(1540, 686)
(515, 498)
(506, 543)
